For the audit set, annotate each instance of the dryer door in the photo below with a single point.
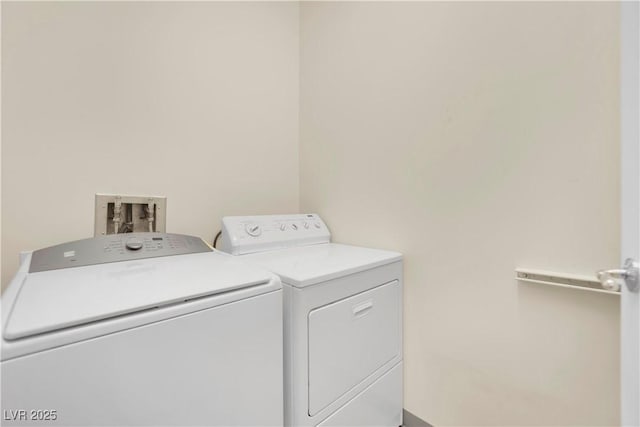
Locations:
(350, 339)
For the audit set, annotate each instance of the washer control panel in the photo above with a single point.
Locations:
(114, 248)
(248, 234)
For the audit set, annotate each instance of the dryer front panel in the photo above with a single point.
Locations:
(350, 339)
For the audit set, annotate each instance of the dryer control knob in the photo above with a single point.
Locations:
(253, 229)
(134, 244)
(306, 224)
(283, 227)
(294, 226)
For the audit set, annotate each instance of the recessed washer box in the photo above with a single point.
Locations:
(115, 214)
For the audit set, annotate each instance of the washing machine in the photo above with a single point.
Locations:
(141, 329)
(342, 319)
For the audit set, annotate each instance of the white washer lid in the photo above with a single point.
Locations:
(56, 299)
(308, 265)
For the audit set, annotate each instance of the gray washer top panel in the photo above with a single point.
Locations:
(114, 248)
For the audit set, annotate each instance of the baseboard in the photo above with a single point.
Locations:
(410, 420)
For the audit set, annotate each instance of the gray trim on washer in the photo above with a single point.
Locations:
(410, 420)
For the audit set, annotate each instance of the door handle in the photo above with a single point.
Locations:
(362, 309)
(628, 274)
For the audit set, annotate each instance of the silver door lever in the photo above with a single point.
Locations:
(629, 274)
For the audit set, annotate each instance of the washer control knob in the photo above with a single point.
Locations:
(305, 224)
(253, 229)
(134, 244)
(316, 224)
(294, 226)
(283, 227)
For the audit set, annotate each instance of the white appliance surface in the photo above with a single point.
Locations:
(248, 234)
(342, 319)
(220, 366)
(191, 339)
(73, 296)
(380, 404)
(350, 339)
(309, 265)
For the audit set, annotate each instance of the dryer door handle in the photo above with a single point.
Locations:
(362, 308)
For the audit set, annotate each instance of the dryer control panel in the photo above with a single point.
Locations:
(114, 248)
(249, 234)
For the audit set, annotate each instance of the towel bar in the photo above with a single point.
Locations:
(563, 280)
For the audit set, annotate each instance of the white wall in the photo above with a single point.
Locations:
(476, 138)
(195, 101)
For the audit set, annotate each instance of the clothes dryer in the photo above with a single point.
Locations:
(342, 319)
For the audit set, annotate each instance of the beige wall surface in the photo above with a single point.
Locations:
(472, 137)
(476, 138)
(195, 101)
